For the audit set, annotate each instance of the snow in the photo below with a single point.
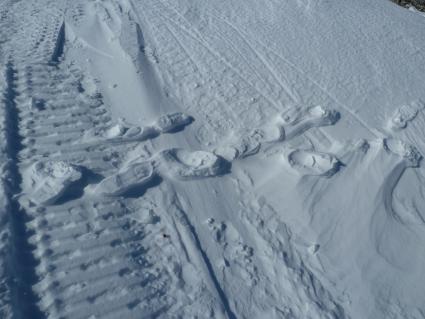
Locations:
(50, 180)
(183, 164)
(313, 163)
(405, 114)
(132, 176)
(211, 159)
(122, 131)
(172, 122)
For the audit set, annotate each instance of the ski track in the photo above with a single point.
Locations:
(109, 246)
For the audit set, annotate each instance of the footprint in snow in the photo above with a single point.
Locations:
(297, 120)
(188, 165)
(284, 127)
(408, 152)
(48, 181)
(171, 163)
(173, 122)
(130, 177)
(125, 132)
(405, 114)
(314, 163)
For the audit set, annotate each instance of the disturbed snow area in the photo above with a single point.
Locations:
(211, 159)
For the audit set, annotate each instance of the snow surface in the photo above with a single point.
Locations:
(211, 159)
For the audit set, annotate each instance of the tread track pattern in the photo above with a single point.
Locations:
(109, 258)
(83, 256)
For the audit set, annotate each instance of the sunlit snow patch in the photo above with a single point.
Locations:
(183, 164)
(129, 177)
(49, 180)
(314, 163)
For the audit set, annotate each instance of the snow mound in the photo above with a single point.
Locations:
(183, 164)
(172, 122)
(129, 177)
(408, 152)
(314, 163)
(50, 180)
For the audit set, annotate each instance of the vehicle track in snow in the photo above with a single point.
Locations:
(215, 82)
(94, 244)
(239, 53)
(79, 246)
(117, 239)
(19, 259)
(5, 295)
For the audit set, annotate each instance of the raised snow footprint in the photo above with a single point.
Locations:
(128, 178)
(314, 163)
(121, 132)
(250, 142)
(404, 115)
(183, 164)
(172, 122)
(298, 120)
(49, 180)
(286, 126)
(408, 152)
(125, 132)
(241, 147)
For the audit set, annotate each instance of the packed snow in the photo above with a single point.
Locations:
(50, 180)
(212, 159)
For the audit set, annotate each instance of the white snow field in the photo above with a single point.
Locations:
(212, 159)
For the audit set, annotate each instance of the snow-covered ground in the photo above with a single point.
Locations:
(212, 159)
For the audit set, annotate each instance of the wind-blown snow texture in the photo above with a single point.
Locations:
(211, 159)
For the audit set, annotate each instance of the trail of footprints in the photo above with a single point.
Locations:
(74, 187)
(76, 267)
(49, 180)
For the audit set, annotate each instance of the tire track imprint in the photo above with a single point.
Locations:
(21, 263)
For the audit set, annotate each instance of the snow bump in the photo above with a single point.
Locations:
(50, 180)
